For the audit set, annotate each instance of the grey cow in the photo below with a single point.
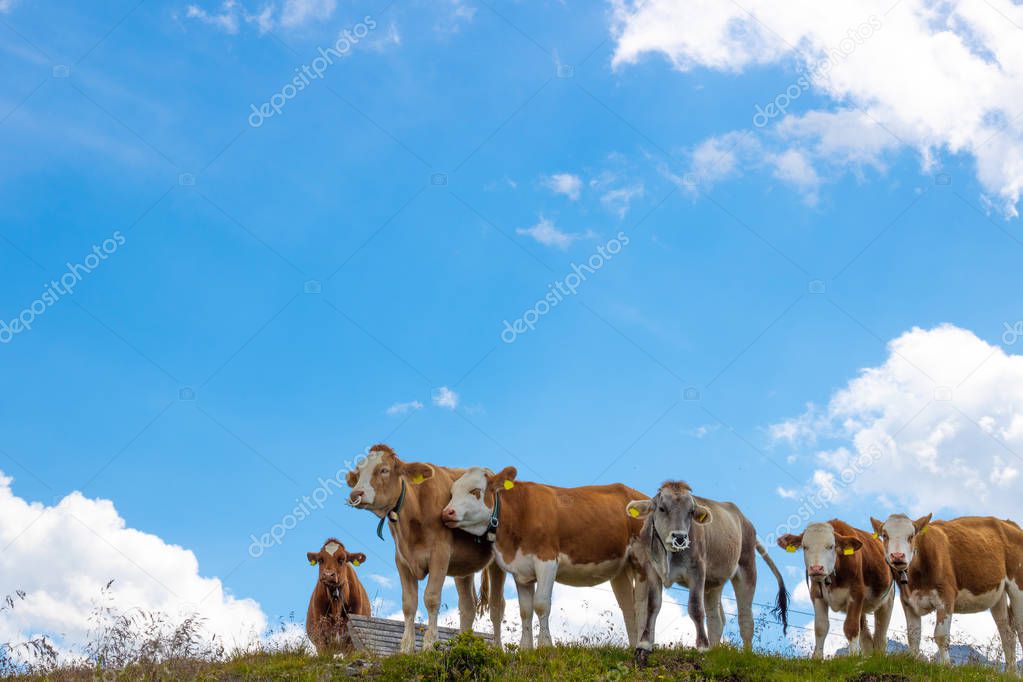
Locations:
(700, 544)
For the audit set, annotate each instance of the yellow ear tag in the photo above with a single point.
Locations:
(312, 563)
(633, 512)
(790, 548)
(874, 535)
(356, 562)
(848, 551)
(508, 485)
(418, 478)
(924, 530)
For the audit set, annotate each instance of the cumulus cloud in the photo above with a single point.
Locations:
(298, 12)
(404, 408)
(63, 555)
(943, 411)
(935, 78)
(548, 234)
(445, 397)
(564, 183)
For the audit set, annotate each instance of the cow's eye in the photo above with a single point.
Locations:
(476, 492)
(385, 470)
(830, 547)
(663, 509)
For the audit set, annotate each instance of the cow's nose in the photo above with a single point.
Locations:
(898, 557)
(355, 497)
(817, 570)
(448, 514)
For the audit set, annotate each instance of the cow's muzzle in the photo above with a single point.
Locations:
(355, 498)
(679, 541)
(449, 517)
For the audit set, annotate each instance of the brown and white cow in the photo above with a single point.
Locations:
(542, 534)
(700, 544)
(846, 572)
(337, 595)
(965, 565)
(409, 497)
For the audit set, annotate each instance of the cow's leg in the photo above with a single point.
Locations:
(439, 558)
(882, 617)
(866, 642)
(1000, 612)
(851, 627)
(409, 606)
(744, 584)
(821, 625)
(526, 612)
(640, 585)
(466, 602)
(496, 599)
(653, 595)
(942, 630)
(1015, 610)
(697, 609)
(546, 572)
(625, 593)
(715, 614)
(913, 630)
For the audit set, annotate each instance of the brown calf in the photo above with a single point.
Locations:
(542, 534)
(846, 571)
(409, 497)
(338, 594)
(965, 565)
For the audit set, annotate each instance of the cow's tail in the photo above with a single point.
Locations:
(483, 599)
(781, 604)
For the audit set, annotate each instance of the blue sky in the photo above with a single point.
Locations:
(280, 287)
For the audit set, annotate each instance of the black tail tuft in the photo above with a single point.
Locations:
(781, 609)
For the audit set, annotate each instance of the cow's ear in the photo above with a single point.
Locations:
(503, 479)
(351, 478)
(920, 525)
(790, 542)
(313, 557)
(639, 509)
(417, 472)
(356, 558)
(878, 526)
(848, 544)
(701, 514)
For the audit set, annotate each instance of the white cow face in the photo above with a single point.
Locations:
(472, 499)
(376, 480)
(898, 534)
(821, 547)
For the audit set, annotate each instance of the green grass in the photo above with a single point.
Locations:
(468, 658)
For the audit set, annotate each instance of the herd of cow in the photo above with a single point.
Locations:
(457, 522)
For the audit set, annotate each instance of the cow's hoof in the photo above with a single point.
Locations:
(642, 656)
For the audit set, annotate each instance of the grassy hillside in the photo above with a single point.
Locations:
(468, 658)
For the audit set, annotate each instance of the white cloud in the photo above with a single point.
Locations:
(564, 183)
(548, 234)
(381, 580)
(941, 418)
(227, 19)
(787, 493)
(445, 397)
(937, 78)
(619, 199)
(298, 12)
(231, 14)
(63, 555)
(404, 408)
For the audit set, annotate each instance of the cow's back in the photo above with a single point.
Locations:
(977, 551)
(588, 524)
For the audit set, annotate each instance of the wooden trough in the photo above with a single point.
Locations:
(382, 637)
